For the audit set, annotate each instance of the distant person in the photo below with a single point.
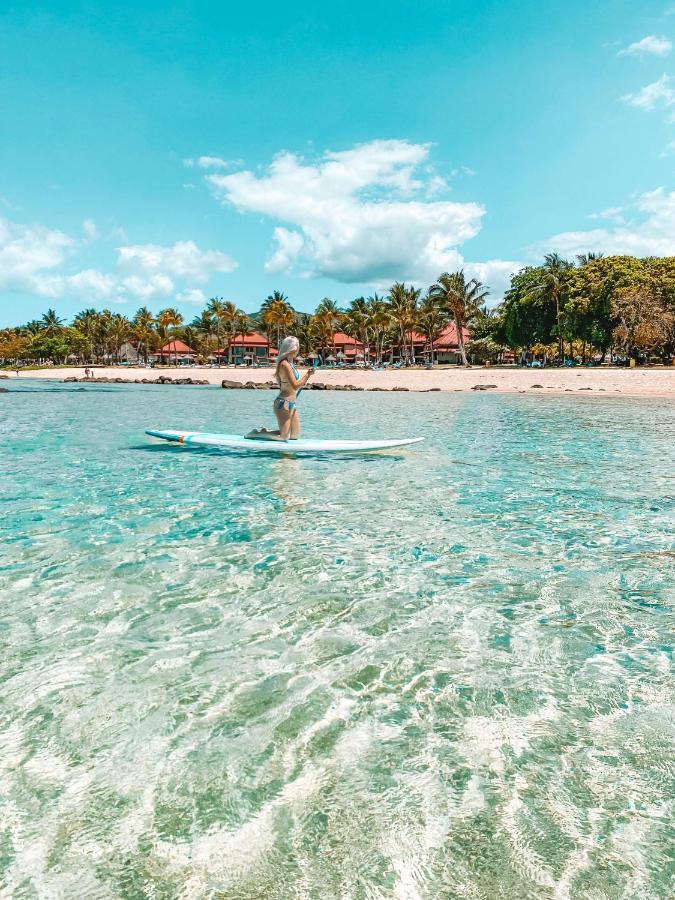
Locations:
(285, 407)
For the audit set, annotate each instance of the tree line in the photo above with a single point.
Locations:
(558, 310)
(377, 322)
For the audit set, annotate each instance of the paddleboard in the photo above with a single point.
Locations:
(303, 445)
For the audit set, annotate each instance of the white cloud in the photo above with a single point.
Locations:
(158, 285)
(289, 245)
(658, 46)
(92, 283)
(658, 93)
(27, 252)
(494, 274)
(668, 150)
(183, 260)
(90, 229)
(612, 212)
(191, 295)
(42, 261)
(651, 231)
(212, 162)
(358, 215)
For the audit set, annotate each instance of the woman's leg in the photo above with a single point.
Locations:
(295, 425)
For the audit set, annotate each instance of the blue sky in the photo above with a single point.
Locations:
(177, 151)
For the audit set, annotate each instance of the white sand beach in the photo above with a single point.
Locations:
(651, 382)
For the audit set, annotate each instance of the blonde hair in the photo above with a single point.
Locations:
(289, 345)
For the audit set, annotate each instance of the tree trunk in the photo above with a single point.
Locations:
(460, 342)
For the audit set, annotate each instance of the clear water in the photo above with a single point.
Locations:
(444, 673)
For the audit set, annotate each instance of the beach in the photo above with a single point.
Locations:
(651, 382)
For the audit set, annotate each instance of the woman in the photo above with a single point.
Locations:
(290, 383)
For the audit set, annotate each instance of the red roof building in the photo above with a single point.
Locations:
(248, 347)
(347, 345)
(176, 349)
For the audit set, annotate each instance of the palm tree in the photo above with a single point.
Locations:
(87, 323)
(50, 323)
(431, 320)
(143, 325)
(379, 323)
(277, 314)
(119, 331)
(461, 299)
(585, 258)
(326, 321)
(170, 318)
(241, 324)
(403, 308)
(356, 322)
(552, 288)
(204, 326)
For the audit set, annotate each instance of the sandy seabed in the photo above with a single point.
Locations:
(653, 382)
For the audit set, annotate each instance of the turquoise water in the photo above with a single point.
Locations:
(444, 673)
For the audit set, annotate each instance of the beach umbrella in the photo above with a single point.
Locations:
(312, 356)
(330, 358)
(340, 355)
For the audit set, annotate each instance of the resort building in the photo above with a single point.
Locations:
(446, 348)
(175, 351)
(346, 349)
(248, 349)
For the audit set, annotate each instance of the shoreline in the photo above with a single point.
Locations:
(656, 382)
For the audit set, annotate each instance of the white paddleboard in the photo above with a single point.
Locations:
(302, 445)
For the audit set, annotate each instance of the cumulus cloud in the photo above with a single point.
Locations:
(650, 231)
(495, 273)
(657, 46)
(357, 215)
(182, 260)
(657, 94)
(35, 259)
(191, 295)
(28, 253)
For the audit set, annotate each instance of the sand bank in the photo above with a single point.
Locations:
(653, 382)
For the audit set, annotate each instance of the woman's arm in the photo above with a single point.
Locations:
(305, 378)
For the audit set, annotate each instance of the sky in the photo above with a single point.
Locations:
(162, 153)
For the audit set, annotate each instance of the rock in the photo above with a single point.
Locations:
(342, 387)
(483, 387)
(251, 386)
(2, 375)
(69, 380)
(318, 386)
(377, 389)
(164, 379)
(400, 389)
(4, 390)
(586, 389)
(329, 387)
(431, 390)
(230, 385)
(203, 381)
(146, 381)
(537, 385)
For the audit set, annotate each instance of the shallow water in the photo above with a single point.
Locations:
(443, 673)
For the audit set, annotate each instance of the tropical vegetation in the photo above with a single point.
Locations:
(559, 310)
